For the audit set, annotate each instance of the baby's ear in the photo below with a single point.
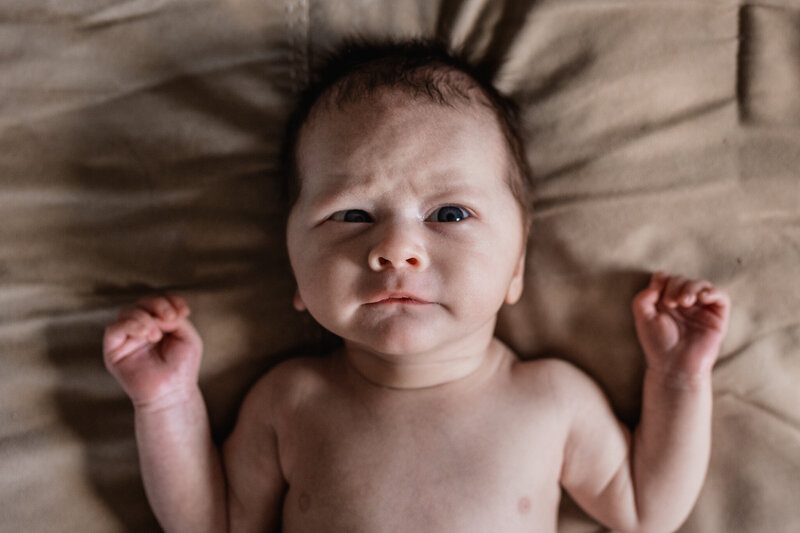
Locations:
(517, 282)
(298, 301)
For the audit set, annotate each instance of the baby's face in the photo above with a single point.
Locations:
(405, 237)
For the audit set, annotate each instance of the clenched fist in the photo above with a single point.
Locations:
(153, 351)
(681, 323)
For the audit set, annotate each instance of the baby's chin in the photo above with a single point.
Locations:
(394, 329)
(401, 337)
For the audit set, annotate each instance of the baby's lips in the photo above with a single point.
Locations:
(396, 295)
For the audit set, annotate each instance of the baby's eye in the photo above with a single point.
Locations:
(449, 213)
(351, 215)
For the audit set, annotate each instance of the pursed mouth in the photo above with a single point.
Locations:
(400, 300)
(397, 298)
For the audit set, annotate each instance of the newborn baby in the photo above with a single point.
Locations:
(407, 233)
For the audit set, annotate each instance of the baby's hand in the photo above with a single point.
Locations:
(681, 324)
(154, 351)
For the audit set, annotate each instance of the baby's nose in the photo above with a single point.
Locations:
(398, 249)
(378, 262)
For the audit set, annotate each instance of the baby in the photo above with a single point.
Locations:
(407, 233)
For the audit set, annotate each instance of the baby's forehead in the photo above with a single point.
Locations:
(398, 118)
(388, 109)
(408, 140)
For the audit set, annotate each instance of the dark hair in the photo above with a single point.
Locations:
(422, 68)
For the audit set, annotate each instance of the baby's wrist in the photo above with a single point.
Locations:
(679, 379)
(171, 400)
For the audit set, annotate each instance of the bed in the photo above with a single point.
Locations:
(139, 145)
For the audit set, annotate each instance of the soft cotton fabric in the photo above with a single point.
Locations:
(139, 153)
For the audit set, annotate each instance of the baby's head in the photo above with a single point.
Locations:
(410, 200)
(423, 72)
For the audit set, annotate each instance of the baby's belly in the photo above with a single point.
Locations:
(423, 491)
(482, 458)
(306, 511)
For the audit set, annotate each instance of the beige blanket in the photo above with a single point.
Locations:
(138, 153)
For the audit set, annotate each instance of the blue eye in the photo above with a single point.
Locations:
(449, 213)
(351, 215)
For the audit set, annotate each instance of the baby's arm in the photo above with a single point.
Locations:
(256, 484)
(154, 352)
(650, 482)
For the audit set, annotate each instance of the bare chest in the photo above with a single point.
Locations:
(421, 468)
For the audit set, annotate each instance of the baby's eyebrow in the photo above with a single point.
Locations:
(439, 187)
(456, 191)
(333, 194)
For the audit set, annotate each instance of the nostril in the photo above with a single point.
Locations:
(380, 262)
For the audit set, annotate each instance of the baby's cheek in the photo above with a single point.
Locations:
(332, 287)
(481, 289)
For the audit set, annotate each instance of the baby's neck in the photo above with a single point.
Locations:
(416, 372)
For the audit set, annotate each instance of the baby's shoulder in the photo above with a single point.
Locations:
(290, 383)
(296, 375)
(557, 378)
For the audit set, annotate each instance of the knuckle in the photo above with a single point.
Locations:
(178, 303)
(165, 306)
(160, 305)
(141, 315)
(678, 286)
(131, 325)
(135, 324)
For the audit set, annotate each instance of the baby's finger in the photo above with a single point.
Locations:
(658, 281)
(115, 335)
(134, 322)
(136, 314)
(179, 304)
(707, 296)
(673, 290)
(690, 291)
(184, 330)
(712, 296)
(717, 303)
(158, 306)
(128, 347)
(644, 303)
(121, 334)
(141, 324)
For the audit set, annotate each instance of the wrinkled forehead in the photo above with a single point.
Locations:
(392, 126)
(394, 133)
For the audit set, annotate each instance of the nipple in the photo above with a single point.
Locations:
(304, 502)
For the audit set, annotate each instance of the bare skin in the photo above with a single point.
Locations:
(423, 421)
